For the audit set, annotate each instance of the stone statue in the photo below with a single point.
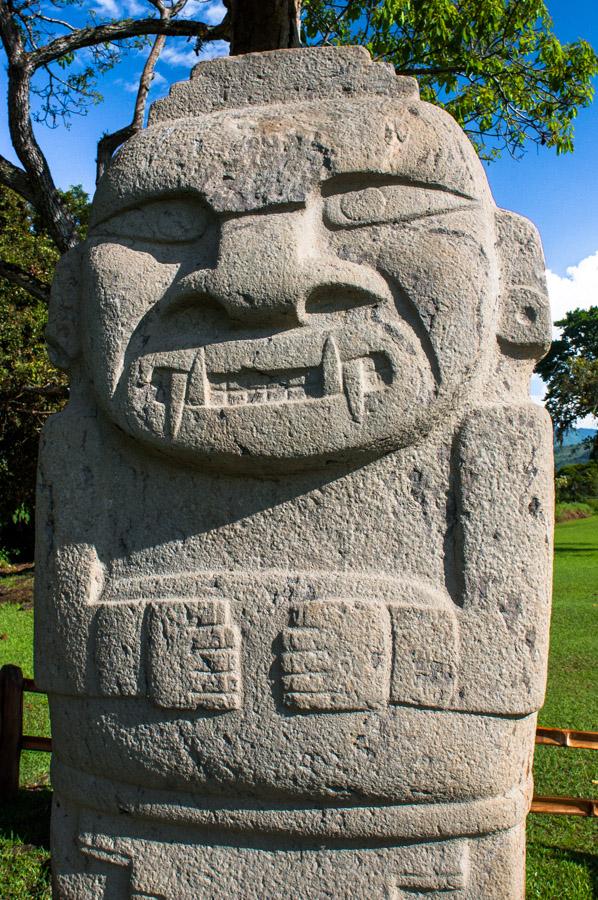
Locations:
(295, 522)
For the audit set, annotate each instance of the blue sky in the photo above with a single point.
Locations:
(559, 193)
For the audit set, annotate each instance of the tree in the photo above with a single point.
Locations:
(256, 25)
(30, 387)
(577, 483)
(570, 371)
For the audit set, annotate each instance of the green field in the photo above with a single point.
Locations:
(563, 850)
(24, 837)
(562, 859)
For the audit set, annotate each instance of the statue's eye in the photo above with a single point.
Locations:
(172, 221)
(390, 203)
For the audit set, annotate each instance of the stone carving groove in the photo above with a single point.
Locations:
(294, 524)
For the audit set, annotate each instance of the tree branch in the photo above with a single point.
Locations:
(56, 21)
(420, 73)
(120, 31)
(110, 142)
(41, 190)
(52, 389)
(36, 183)
(23, 279)
(10, 35)
(16, 179)
(45, 197)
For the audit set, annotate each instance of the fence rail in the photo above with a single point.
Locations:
(12, 742)
(567, 737)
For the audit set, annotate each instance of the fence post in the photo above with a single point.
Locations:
(11, 729)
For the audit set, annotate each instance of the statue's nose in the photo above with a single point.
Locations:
(258, 271)
(270, 264)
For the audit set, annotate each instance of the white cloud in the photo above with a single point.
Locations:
(107, 8)
(132, 86)
(135, 8)
(537, 389)
(213, 50)
(578, 289)
(179, 53)
(211, 12)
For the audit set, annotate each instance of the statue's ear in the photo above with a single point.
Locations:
(62, 330)
(524, 323)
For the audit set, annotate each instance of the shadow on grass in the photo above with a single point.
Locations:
(28, 817)
(571, 548)
(563, 855)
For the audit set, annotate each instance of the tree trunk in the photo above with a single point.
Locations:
(46, 199)
(263, 25)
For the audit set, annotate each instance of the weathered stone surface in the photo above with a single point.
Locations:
(258, 78)
(295, 521)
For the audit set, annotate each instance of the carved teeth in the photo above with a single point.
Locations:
(332, 376)
(259, 387)
(197, 387)
(174, 410)
(223, 396)
(185, 381)
(354, 388)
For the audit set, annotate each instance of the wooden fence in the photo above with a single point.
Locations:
(13, 742)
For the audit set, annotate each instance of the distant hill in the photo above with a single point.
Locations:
(573, 449)
(577, 435)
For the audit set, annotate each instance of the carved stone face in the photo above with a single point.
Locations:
(283, 285)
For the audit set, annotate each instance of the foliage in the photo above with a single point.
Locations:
(495, 65)
(577, 483)
(566, 512)
(30, 387)
(570, 371)
(55, 50)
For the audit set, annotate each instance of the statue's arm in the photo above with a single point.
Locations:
(68, 573)
(503, 485)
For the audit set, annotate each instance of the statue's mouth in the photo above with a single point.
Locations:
(253, 386)
(226, 377)
(277, 401)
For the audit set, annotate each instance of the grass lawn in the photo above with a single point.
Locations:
(562, 862)
(563, 850)
(24, 837)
